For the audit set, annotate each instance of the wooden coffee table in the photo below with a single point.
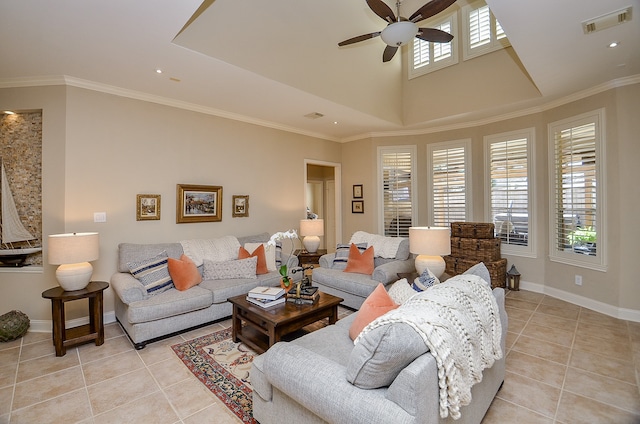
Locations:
(264, 327)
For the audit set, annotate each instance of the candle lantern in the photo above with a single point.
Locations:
(513, 279)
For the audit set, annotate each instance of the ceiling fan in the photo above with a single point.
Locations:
(401, 30)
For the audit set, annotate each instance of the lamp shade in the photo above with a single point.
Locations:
(72, 252)
(430, 244)
(399, 33)
(311, 229)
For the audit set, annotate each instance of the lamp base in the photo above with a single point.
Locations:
(311, 243)
(435, 264)
(73, 277)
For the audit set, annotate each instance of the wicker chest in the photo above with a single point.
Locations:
(474, 242)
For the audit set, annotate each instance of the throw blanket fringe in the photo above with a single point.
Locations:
(383, 247)
(220, 249)
(459, 321)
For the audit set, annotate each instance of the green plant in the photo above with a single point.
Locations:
(583, 236)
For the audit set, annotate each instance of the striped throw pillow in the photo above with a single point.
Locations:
(153, 273)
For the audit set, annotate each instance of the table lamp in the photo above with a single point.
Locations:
(311, 229)
(430, 244)
(72, 252)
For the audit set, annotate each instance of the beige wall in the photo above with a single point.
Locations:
(615, 288)
(100, 150)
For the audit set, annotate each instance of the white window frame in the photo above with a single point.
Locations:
(494, 43)
(432, 66)
(566, 256)
(529, 134)
(431, 148)
(413, 151)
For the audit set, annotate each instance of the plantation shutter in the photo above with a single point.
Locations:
(448, 186)
(575, 188)
(510, 190)
(397, 171)
(479, 27)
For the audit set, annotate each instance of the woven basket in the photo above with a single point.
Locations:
(478, 230)
(497, 269)
(483, 250)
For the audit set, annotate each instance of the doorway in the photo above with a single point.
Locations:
(322, 197)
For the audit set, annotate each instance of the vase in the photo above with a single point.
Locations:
(285, 287)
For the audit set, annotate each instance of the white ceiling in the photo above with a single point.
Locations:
(272, 62)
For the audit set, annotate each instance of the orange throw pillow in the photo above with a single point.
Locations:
(261, 267)
(377, 304)
(183, 272)
(360, 263)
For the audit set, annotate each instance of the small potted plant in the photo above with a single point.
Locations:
(285, 281)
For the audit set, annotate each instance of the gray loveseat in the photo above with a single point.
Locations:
(305, 381)
(354, 288)
(148, 318)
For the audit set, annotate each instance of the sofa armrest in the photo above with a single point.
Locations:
(320, 385)
(388, 273)
(127, 288)
(326, 261)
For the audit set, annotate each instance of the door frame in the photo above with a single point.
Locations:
(337, 174)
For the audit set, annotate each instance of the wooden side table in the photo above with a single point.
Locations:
(306, 258)
(63, 337)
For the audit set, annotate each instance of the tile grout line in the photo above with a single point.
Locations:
(84, 380)
(566, 370)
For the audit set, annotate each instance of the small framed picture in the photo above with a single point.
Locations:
(357, 191)
(240, 206)
(198, 203)
(357, 206)
(147, 207)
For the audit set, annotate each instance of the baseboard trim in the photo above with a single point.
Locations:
(46, 326)
(585, 302)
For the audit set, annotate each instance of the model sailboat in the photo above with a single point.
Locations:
(12, 229)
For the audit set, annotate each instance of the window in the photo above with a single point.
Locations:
(509, 171)
(576, 221)
(482, 31)
(395, 175)
(449, 168)
(427, 56)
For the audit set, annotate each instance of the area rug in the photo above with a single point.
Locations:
(223, 366)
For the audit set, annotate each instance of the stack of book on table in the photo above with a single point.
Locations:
(266, 297)
(308, 295)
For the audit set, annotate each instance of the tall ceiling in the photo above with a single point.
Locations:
(273, 62)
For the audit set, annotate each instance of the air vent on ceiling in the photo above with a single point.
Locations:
(314, 115)
(607, 21)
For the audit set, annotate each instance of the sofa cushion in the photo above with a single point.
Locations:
(239, 268)
(342, 254)
(400, 291)
(479, 269)
(184, 273)
(258, 252)
(375, 305)
(132, 252)
(220, 249)
(153, 273)
(360, 263)
(380, 355)
(169, 304)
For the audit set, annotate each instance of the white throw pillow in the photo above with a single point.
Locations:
(239, 268)
(400, 291)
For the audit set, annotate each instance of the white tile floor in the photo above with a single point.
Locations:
(565, 364)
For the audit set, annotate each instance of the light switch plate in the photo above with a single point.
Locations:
(99, 217)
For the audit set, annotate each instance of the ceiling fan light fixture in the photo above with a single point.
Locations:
(399, 33)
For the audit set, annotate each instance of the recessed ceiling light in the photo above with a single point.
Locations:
(158, 71)
(335, 122)
(613, 44)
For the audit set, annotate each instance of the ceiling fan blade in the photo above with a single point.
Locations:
(434, 35)
(359, 38)
(389, 52)
(430, 9)
(381, 9)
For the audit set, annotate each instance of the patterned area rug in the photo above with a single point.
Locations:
(223, 366)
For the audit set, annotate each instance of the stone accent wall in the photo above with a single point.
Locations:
(21, 153)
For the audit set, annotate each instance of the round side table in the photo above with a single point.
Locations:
(65, 337)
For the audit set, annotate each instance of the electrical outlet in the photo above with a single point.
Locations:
(99, 217)
(578, 280)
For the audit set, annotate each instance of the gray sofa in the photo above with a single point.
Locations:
(354, 288)
(305, 381)
(149, 318)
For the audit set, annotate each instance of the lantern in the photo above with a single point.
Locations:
(513, 279)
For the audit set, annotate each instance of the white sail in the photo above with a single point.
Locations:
(12, 228)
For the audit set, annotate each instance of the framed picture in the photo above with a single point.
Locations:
(357, 191)
(240, 206)
(357, 206)
(147, 207)
(198, 203)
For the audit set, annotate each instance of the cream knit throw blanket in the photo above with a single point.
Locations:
(383, 247)
(459, 321)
